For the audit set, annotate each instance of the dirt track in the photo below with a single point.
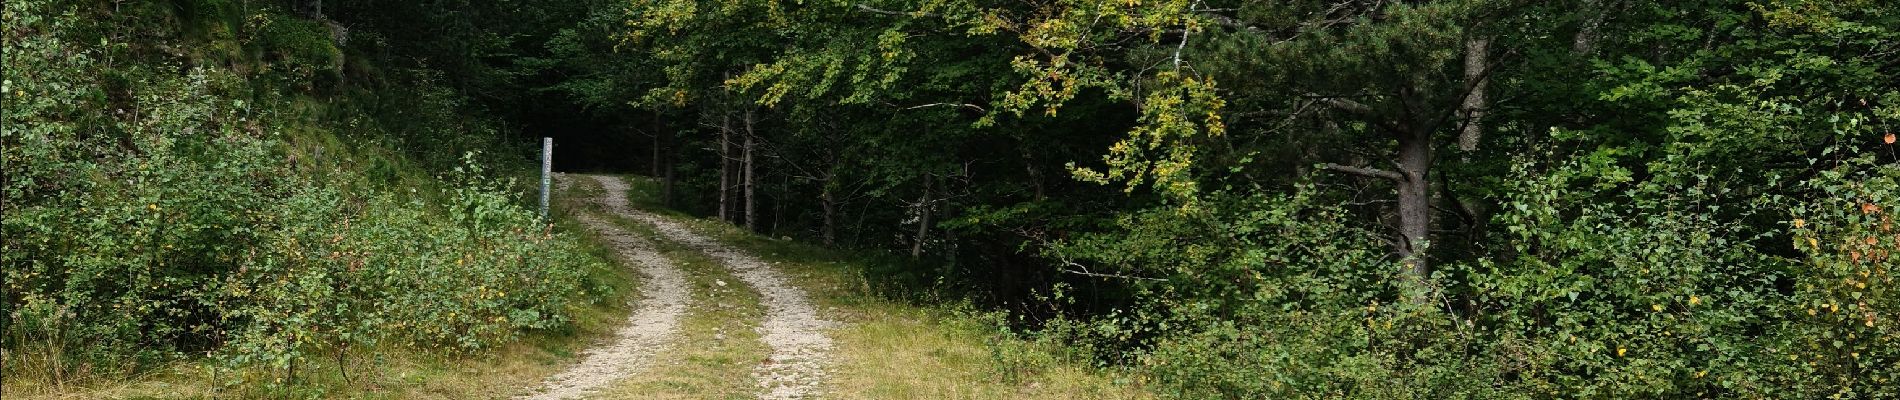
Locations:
(654, 324)
(792, 327)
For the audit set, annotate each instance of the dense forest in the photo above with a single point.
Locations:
(1229, 199)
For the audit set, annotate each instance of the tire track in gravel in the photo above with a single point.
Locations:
(792, 327)
(654, 325)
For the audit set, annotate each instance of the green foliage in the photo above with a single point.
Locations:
(1640, 256)
(1838, 329)
(1616, 226)
(1660, 199)
(344, 275)
(300, 48)
(153, 215)
(1274, 296)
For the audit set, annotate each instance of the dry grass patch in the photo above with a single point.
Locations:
(902, 352)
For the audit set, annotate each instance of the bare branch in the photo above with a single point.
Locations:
(1477, 66)
(1344, 104)
(875, 10)
(1362, 171)
(1085, 272)
(1359, 109)
(1185, 30)
(964, 105)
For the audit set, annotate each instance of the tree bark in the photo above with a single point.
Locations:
(1412, 178)
(663, 160)
(1035, 173)
(829, 202)
(1585, 43)
(725, 166)
(857, 226)
(1415, 188)
(778, 207)
(666, 185)
(658, 145)
(1477, 60)
(923, 222)
(751, 177)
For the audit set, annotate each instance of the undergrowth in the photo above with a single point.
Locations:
(244, 207)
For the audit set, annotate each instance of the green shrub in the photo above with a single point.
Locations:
(1669, 288)
(1838, 332)
(1717, 224)
(1274, 296)
(361, 275)
(152, 215)
(300, 48)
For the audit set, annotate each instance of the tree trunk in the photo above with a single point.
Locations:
(778, 207)
(751, 178)
(659, 144)
(1477, 59)
(663, 159)
(666, 185)
(923, 222)
(725, 166)
(1585, 42)
(829, 201)
(857, 227)
(1035, 173)
(1415, 188)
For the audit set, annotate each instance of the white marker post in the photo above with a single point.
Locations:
(547, 172)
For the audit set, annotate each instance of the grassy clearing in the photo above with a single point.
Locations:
(371, 374)
(898, 344)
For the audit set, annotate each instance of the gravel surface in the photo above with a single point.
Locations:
(656, 319)
(792, 327)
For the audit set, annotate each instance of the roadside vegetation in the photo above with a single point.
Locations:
(194, 198)
(1075, 199)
